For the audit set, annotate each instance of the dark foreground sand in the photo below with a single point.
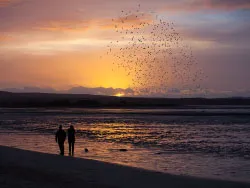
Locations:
(19, 168)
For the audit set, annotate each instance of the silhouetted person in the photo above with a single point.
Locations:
(71, 139)
(60, 139)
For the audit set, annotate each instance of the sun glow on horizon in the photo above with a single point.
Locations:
(119, 95)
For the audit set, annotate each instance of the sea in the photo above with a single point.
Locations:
(209, 143)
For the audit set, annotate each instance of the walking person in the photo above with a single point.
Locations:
(60, 139)
(71, 139)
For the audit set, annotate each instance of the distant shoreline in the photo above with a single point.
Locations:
(45, 100)
(39, 111)
(20, 167)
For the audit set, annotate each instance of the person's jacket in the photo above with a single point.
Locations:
(60, 136)
(71, 135)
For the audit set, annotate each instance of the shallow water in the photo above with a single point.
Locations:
(205, 146)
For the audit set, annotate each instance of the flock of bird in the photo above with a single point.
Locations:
(153, 54)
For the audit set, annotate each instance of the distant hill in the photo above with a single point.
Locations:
(8, 99)
(74, 90)
(4, 92)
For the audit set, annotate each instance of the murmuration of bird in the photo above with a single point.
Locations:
(152, 54)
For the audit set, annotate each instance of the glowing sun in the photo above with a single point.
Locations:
(119, 94)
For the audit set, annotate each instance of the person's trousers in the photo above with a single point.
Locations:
(61, 146)
(71, 147)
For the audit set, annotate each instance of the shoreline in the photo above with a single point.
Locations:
(53, 100)
(124, 111)
(29, 169)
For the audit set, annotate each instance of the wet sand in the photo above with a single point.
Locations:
(20, 168)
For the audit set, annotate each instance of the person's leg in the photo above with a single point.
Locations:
(69, 148)
(73, 143)
(61, 147)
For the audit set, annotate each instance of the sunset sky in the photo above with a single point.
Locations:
(58, 43)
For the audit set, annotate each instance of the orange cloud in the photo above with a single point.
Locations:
(4, 38)
(61, 70)
(4, 3)
(66, 26)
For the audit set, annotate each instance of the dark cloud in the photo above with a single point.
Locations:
(45, 11)
(233, 36)
(197, 5)
(127, 20)
(228, 4)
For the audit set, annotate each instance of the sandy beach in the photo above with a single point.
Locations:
(31, 169)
